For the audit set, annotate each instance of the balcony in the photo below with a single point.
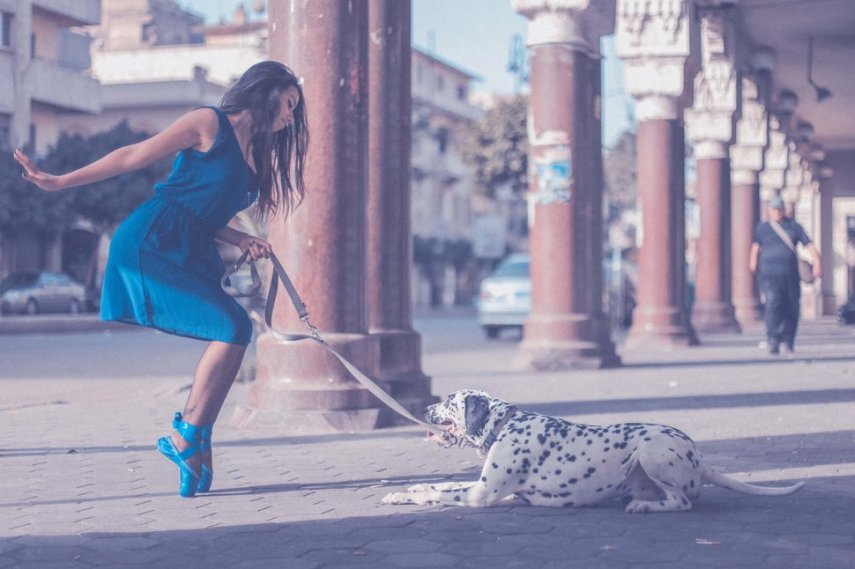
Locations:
(75, 12)
(63, 87)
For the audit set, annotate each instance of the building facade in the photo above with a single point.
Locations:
(45, 76)
(44, 54)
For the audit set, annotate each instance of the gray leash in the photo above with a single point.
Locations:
(313, 335)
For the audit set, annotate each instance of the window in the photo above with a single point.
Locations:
(461, 92)
(33, 46)
(5, 29)
(32, 136)
(442, 139)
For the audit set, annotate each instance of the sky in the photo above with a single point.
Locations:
(476, 35)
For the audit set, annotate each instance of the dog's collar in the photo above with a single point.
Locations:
(497, 428)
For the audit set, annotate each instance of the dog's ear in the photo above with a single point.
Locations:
(477, 413)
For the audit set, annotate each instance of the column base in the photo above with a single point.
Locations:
(297, 422)
(829, 303)
(554, 355)
(714, 317)
(554, 342)
(400, 366)
(660, 328)
(748, 314)
(301, 388)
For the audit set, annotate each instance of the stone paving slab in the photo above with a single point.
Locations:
(81, 485)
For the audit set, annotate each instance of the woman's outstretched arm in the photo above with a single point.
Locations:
(192, 130)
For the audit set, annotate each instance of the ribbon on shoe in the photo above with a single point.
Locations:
(314, 335)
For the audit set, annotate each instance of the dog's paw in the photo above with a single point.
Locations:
(638, 507)
(396, 498)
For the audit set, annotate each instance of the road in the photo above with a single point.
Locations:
(139, 352)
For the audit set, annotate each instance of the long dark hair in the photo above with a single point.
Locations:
(280, 153)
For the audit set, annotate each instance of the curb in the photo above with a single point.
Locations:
(55, 324)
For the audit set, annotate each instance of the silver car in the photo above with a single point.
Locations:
(33, 293)
(505, 299)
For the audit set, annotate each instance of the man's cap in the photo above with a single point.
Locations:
(776, 203)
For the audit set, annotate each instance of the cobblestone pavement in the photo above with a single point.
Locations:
(82, 486)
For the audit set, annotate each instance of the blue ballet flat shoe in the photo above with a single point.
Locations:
(189, 479)
(207, 476)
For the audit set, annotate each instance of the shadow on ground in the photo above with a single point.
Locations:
(724, 530)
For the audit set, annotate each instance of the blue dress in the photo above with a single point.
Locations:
(164, 270)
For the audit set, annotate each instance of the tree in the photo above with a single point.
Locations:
(23, 207)
(108, 202)
(620, 172)
(497, 146)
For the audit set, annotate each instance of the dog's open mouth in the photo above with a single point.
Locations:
(447, 425)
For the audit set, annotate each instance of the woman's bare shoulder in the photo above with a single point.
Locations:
(207, 123)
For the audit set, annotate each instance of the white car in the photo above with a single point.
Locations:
(505, 299)
(33, 293)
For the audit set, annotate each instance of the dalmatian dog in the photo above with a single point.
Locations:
(547, 461)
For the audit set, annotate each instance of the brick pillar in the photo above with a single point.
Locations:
(660, 316)
(564, 328)
(710, 127)
(655, 41)
(713, 310)
(825, 241)
(746, 161)
(300, 387)
(389, 234)
(745, 214)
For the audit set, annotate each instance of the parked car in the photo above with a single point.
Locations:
(34, 293)
(505, 299)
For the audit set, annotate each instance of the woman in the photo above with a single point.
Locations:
(164, 270)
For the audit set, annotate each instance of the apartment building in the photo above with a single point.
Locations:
(443, 185)
(157, 61)
(44, 68)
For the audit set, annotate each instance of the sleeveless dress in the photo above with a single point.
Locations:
(163, 270)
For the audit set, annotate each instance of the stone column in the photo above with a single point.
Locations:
(564, 328)
(746, 161)
(793, 180)
(654, 41)
(709, 126)
(825, 240)
(390, 237)
(775, 161)
(300, 387)
(806, 212)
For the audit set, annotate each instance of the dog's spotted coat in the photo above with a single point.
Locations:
(552, 462)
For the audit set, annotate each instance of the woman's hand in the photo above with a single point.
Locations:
(32, 174)
(257, 248)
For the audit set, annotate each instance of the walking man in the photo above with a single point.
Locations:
(774, 254)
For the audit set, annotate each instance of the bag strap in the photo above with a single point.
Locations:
(315, 336)
(785, 237)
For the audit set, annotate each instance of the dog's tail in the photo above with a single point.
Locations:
(724, 481)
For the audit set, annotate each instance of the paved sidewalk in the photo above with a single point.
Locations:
(82, 486)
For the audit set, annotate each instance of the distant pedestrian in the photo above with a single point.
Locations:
(773, 253)
(164, 269)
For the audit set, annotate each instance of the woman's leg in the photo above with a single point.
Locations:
(215, 373)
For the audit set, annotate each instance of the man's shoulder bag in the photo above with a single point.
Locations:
(805, 268)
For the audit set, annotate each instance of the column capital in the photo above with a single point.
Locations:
(775, 159)
(745, 163)
(655, 42)
(716, 85)
(576, 23)
(752, 128)
(794, 178)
